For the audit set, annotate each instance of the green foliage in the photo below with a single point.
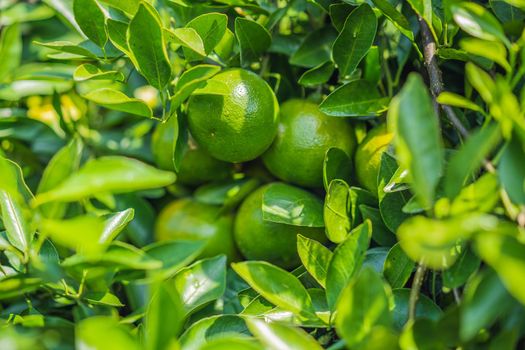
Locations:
(94, 133)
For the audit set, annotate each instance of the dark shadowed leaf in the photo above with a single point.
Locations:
(253, 39)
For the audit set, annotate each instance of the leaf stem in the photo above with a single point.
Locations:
(414, 291)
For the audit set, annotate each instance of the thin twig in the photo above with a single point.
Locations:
(414, 290)
(434, 75)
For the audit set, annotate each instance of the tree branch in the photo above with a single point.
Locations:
(434, 75)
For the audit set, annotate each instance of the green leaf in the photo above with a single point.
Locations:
(359, 98)
(116, 100)
(191, 80)
(88, 331)
(115, 223)
(88, 71)
(117, 32)
(164, 143)
(512, 170)
(346, 262)
(70, 48)
(315, 258)
(425, 308)
(482, 196)
(455, 100)
(491, 50)
(398, 267)
(189, 38)
(88, 243)
(164, 316)
(10, 50)
(336, 165)
(291, 205)
(91, 19)
(390, 203)
(253, 39)
(202, 282)
(506, 255)
(275, 336)
(63, 163)
(356, 38)
(467, 161)
(118, 255)
(466, 265)
(278, 286)
(146, 42)
(485, 300)
(227, 193)
(435, 241)
(317, 75)
(211, 329)
(418, 142)
(380, 233)
(397, 18)
(114, 174)
(128, 6)
(336, 211)
(211, 28)
(315, 49)
(13, 206)
(424, 9)
(364, 303)
(477, 21)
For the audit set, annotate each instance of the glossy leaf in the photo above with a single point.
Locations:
(315, 258)
(188, 38)
(317, 75)
(91, 19)
(390, 203)
(277, 336)
(398, 267)
(346, 262)
(469, 158)
(210, 27)
(88, 334)
(65, 162)
(505, 254)
(359, 98)
(253, 39)
(355, 39)
(291, 205)
(434, 241)
(337, 165)
(10, 50)
(417, 138)
(164, 317)
(478, 22)
(463, 268)
(146, 42)
(397, 18)
(337, 217)
(202, 282)
(164, 143)
(425, 308)
(212, 329)
(277, 286)
(88, 71)
(364, 303)
(116, 100)
(190, 80)
(113, 174)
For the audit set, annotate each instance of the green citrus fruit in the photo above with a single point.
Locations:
(191, 220)
(258, 239)
(303, 137)
(368, 156)
(239, 126)
(198, 167)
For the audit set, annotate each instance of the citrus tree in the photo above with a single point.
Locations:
(262, 174)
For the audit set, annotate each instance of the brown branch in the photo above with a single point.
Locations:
(434, 75)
